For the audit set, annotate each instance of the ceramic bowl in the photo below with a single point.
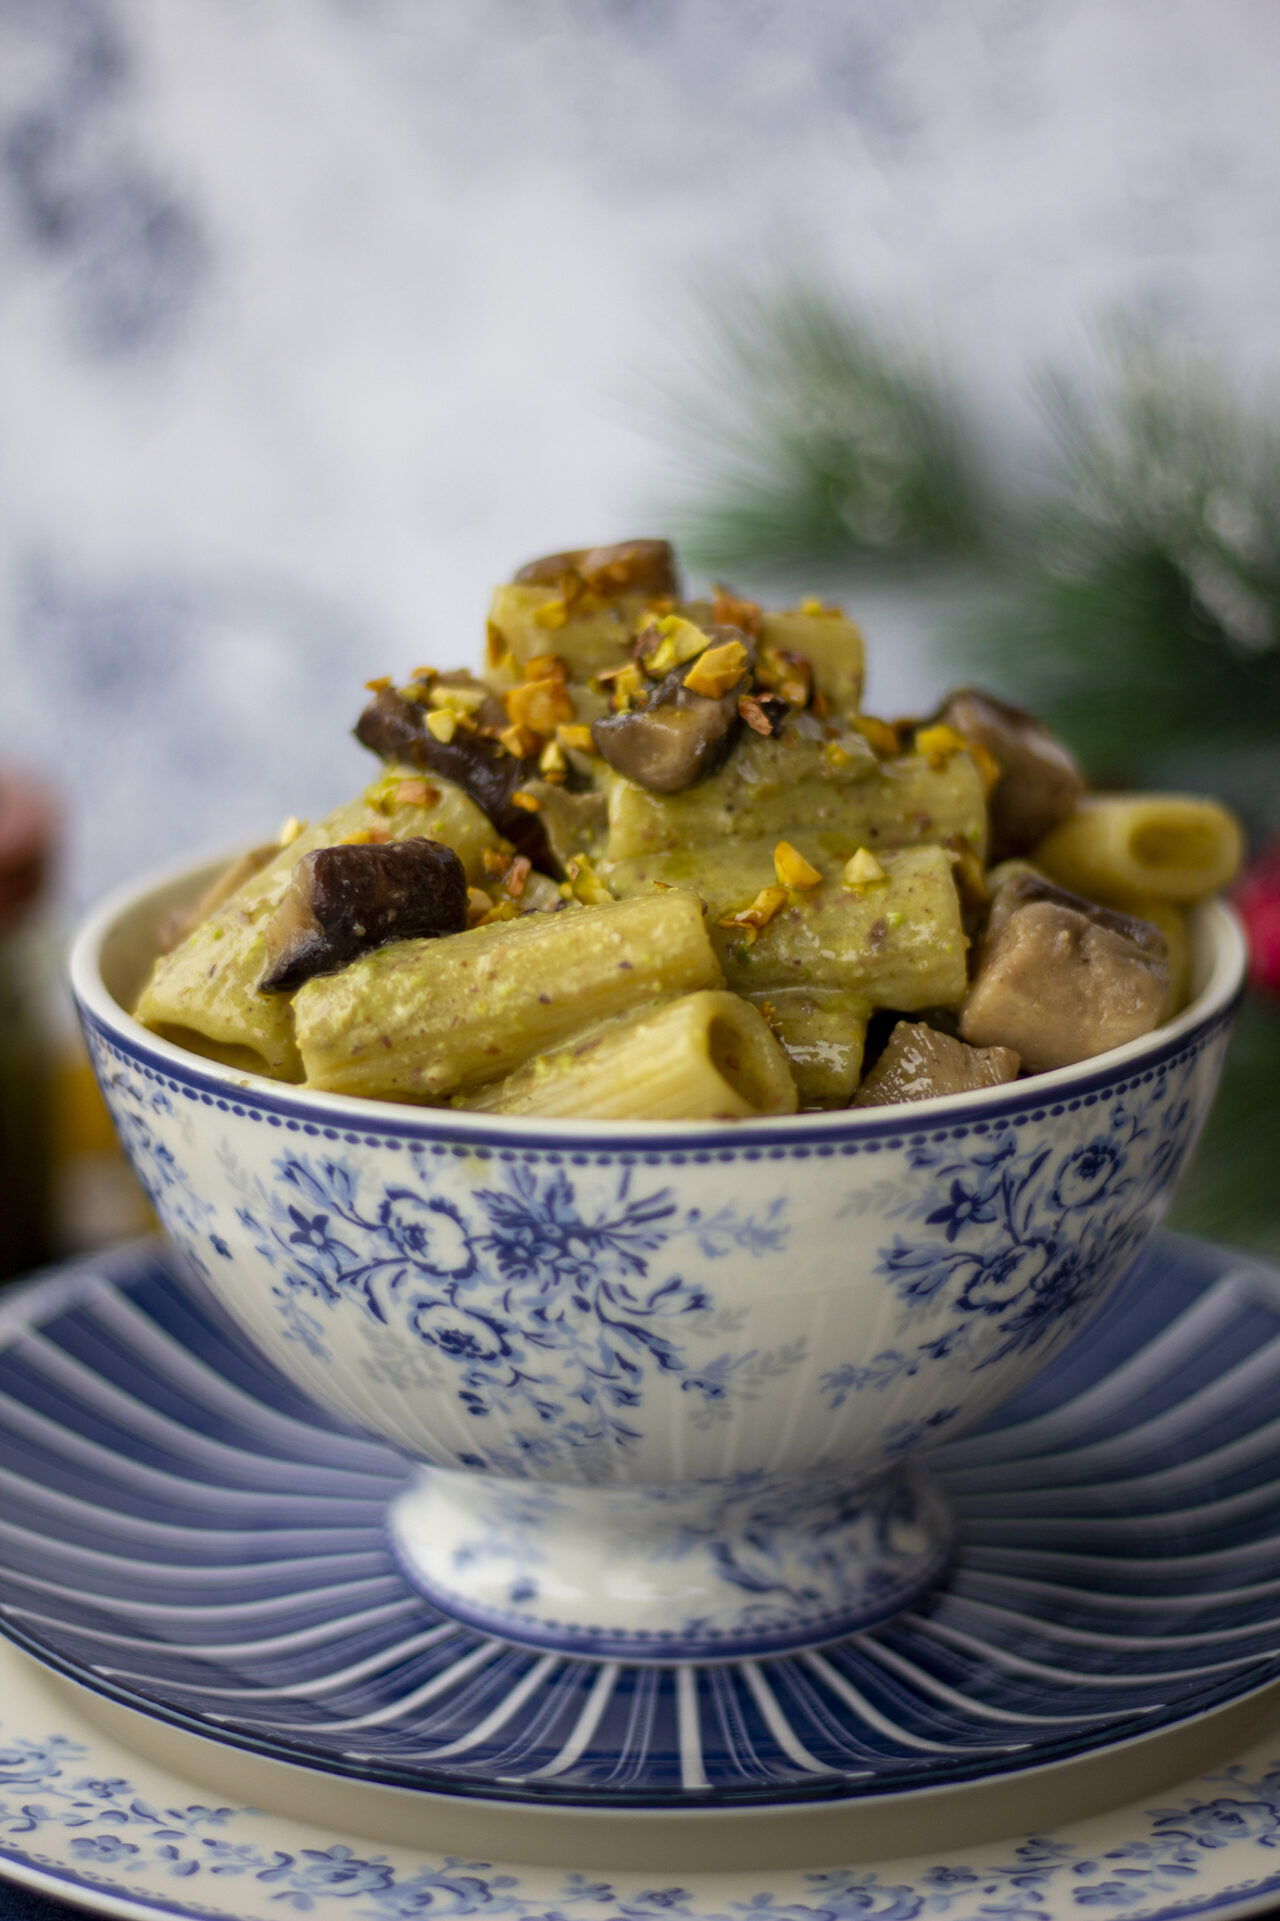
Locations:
(667, 1386)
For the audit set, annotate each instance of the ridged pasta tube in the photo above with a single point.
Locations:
(897, 943)
(705, 1057)
(421, 1020)
(772, 786)
(1174, 846)
(204, 995)
(585, 642)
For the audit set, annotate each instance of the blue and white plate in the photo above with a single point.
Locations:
(181, 1532)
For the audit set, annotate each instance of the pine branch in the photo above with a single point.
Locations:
(1140, 608)
(816, 441)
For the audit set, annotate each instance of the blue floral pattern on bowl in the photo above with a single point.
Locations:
(621, 1309)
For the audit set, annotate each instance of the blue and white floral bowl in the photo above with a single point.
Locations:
(667, 1386)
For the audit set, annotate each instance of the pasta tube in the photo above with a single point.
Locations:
(1173, 846)
(420, 1020)
(1172, 922)
(705, 1057)
(771, 786)
(830, 643)
(897, 942)
(526, 622)
(204, 994)
(823, 1031)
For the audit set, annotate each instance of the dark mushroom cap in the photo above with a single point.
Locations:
(396, 728)
(1022, 890)
(1039, 782)
(644, 567)
(344, 901)
(679, 737)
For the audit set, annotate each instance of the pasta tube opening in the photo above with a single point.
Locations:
(1175, 847)
(707, 1056)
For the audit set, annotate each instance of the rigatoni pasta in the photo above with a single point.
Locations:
(1174, 847)
(680, 874)
(705, 1057)
(423, 1019)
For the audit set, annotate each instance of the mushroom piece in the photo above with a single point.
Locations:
(396, 728)
(342, 901)
(679, 736)
(644, 567)
(1039, 780)
(1061, 979)
(917, 1063)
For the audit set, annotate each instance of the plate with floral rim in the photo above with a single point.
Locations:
(85, 1820)
(188, 1538)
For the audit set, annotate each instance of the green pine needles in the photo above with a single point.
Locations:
(1130, 590)
(815, 440)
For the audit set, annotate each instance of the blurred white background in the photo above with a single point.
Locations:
(317, 316)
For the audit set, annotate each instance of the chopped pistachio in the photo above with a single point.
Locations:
(517, 876)
(415, 793)
(529, 802)
(545, 667)
(627, 682)
(540, 705)
(442, 724)
(677, 641)
(552, 764)
(938, 744)
(749, 920)
(458, 700)
(519, 742)
(791, 867)
(787, 674)
(862, 870)
(376, 685)
(552, 614)
(717, 670)
(574, 735)
(585, 884)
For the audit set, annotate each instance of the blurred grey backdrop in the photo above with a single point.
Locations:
(316, 316)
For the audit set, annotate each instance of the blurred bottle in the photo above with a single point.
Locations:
(28, 842)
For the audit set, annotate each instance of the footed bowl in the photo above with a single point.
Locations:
(667, 1388)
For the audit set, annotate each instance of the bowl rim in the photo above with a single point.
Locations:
(1213, 1008)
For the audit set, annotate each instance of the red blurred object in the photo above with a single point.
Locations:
(1258, 902)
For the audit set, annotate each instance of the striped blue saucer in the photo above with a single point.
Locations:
(180, 1531)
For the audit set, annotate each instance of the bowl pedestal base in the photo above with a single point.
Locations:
(697, 1571)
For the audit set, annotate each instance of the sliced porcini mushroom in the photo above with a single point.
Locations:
(643, 567)
(396, 728)
(1060, 979)
(343, 901)
(679, 736)
(1039, 782)
(918, 1062)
